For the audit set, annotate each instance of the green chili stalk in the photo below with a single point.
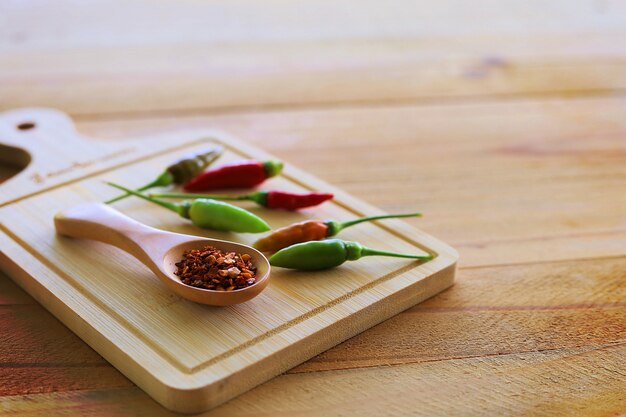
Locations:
(335, 227)
(179, 172)
(175, 207)
(242, 197)
(209, 214)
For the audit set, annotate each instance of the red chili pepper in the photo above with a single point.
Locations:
(242, 174)
(291, 201)
(270, 199)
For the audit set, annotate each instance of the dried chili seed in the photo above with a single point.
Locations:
(213, 269)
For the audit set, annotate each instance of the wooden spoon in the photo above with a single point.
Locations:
(158, 250)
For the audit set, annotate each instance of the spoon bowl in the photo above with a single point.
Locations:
(159, 250)
(211, 297)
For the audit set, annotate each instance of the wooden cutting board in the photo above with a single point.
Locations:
(190, 357)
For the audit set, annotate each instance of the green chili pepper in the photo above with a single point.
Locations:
(324, 254)
(181, 171)
(210, 214)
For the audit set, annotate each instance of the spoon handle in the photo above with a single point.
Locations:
(100, 222)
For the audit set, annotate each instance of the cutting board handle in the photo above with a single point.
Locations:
(33, 128)
(97, 221)
(43, 149)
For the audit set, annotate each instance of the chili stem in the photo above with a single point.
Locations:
(168, 205)
(164, 179)
(122, 196)
(375, 252)
(211, 196)
(345, 224)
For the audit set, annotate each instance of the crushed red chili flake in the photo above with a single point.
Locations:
(213, 269)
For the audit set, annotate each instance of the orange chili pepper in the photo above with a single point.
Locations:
(312, 230)
(295, 233)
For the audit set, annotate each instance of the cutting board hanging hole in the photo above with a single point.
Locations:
(12, 161)
(26, 126)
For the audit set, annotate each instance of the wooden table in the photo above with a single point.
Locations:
(504, 122)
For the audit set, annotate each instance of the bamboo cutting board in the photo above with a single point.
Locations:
(187, 356)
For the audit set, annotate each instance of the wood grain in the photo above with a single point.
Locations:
(502, 121)
(148, 79)
(580, 381)
(567, 316)
(197, 55)
(141, 22)
(11, 294)
(144, 327)
(506, 182)
(42, 355)
(564, 307)
(498, 311)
